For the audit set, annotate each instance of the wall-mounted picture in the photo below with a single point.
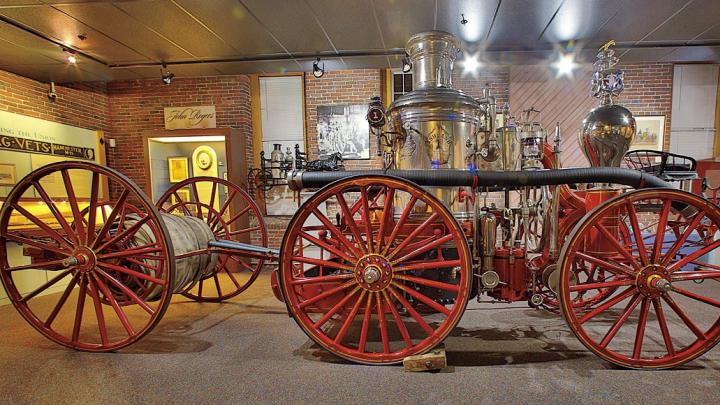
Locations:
(649, 133)
(177, 168)
(343, 129)
(183, 193)
(8, 175)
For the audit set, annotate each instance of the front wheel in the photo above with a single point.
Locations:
(375, 269)
(664, 309)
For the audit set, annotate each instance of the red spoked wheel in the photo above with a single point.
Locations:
(375, 269)
(582, 273)
(231, 214)
(665, 306)
(111, 262)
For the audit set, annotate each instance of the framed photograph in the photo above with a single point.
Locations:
(177, 168)
(649, 133)
(8, 174)
(183, 193)
(343, 129)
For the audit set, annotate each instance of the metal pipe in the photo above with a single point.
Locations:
(240, 247)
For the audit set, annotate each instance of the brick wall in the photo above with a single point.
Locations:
(341, 87)
(138, 105)
(648, 91)
(83, 105)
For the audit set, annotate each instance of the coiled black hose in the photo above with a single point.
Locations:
(490, 180)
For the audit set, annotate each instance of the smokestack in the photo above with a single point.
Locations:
(432, 55)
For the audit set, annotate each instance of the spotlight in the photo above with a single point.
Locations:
(318, 71)
(71, 58)
(565, 65)
(471, 64)
(406, 65)
(166, 75)
(463, 20)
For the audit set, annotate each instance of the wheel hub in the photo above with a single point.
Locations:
(373, 272)
(653, 280)
(83, 259)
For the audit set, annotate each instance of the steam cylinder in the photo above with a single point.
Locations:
(436, 125)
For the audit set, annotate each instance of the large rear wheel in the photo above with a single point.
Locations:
(665, 307)
(110, 262)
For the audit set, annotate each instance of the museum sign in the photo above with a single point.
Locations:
(190, 117)
(46, 148)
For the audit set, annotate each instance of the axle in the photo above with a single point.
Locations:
(244, 249)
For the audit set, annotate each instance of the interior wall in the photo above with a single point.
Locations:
(648, 91)
(138, 105)
(341, 87)
(84, 105)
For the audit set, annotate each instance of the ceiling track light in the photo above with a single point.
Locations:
(463, 20)
(406, 65)
(318, 71)
(71, 58)
(166, 75)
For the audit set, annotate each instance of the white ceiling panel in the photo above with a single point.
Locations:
(400, 19)
(65, 29)
(519, 23)
(292, 23)
(235, 25)
(351, 25)
(579, 20)
(177, 26)
(694, 19)
(478, 14)
(117, 24)
(635, 19)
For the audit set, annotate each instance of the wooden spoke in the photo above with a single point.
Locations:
(624, 315)
(350, 317)
(663, 326)
(429, 283)
(45, 286)
(423, 298)
(62, 300)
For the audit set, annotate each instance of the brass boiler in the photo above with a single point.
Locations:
(436, 127)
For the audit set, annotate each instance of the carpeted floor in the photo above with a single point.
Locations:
(249, 351)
